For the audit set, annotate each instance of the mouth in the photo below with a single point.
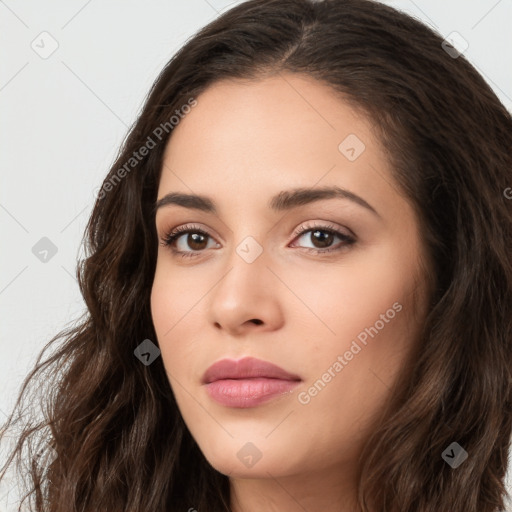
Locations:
(248, 382)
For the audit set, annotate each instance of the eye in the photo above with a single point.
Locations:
(195, 239)
(322, 238)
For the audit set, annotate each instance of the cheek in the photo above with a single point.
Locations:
(171, 297)
(166, 313)
(179, 354)
(175, 309)
(162, 304)
(363, 316)
(340, 301)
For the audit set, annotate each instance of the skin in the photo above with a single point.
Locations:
(244, 142)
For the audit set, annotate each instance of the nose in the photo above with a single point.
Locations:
(247, 297)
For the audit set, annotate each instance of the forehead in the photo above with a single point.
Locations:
(287, 111)
(252, 138)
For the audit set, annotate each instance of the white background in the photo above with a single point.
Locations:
(64, 117)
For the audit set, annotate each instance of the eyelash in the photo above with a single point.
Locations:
(173, 235)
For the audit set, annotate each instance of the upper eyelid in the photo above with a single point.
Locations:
(304, 228)
(184, 228)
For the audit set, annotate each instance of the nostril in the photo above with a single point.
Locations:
(256, 321)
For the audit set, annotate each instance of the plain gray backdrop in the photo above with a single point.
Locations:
(73, 77)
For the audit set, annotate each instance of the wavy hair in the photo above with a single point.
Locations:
(109, 435)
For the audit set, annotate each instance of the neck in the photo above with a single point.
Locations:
(326, 491)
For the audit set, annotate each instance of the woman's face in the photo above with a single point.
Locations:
(332, 306)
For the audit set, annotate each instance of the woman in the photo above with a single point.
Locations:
(298, 282)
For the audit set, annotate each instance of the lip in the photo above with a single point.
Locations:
(246, 368)
(247, 382)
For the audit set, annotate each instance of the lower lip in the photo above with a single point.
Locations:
(245, 393)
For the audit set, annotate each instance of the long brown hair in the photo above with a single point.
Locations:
(109, 435)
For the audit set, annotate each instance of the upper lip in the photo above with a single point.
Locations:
(248, 367)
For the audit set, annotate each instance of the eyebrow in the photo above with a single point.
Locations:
(284, 200)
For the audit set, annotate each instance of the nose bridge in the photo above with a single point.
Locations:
(247, 263)
(244, 292)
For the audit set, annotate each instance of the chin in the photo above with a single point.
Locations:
(246, 459)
